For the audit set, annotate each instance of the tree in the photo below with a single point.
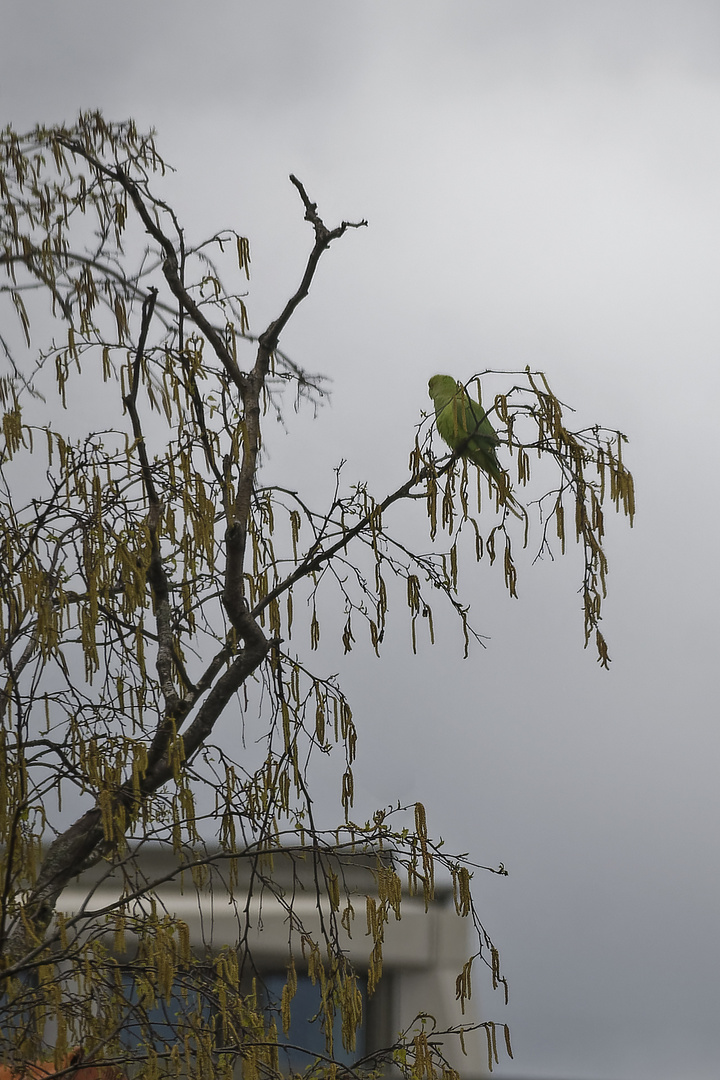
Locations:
(149, 588)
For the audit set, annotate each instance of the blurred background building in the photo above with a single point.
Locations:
(423, 952)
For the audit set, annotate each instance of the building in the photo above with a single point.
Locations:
(423, 952)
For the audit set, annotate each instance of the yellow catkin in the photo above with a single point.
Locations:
(463, 984)
(347, 918)
(119, 933)
(333, 887)
(461, 890)
(288, 993)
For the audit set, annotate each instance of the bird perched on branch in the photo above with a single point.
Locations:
(465, 427)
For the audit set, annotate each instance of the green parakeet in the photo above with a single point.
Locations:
(464, 425)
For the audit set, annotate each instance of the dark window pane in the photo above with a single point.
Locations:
(303, 1032)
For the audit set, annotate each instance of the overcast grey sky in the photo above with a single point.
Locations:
(541, 180)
